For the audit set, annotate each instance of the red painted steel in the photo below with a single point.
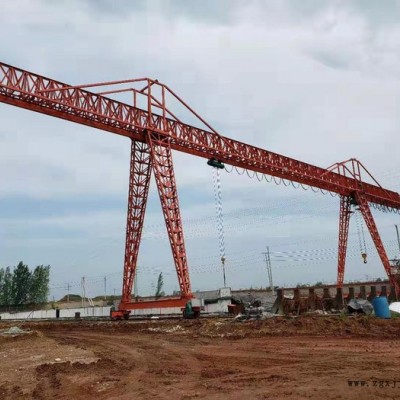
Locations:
(165, 132)
(373, 230)
(165, 178)
(344, 221)
(160, 303)
(139, 182)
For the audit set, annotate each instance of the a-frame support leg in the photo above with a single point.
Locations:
(139, 182)
(165, 178)
(373, 230)
(344, 220)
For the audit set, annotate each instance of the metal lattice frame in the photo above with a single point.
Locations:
(165, 178)
(139, 182)
(373, 230)
(344, 221)
(34, 92)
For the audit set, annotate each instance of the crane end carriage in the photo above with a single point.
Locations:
(189, 307)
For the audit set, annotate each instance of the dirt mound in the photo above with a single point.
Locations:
(318, 325)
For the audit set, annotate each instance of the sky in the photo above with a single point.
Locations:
(316, 81)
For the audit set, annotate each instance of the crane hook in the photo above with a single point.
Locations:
(364, 257)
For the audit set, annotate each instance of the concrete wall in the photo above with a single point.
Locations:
(217, 308)
(64, 313)
(220, 307)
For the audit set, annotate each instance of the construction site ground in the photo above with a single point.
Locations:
(308, 357)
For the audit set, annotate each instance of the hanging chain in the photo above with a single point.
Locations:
(361, 235)
(220, 216)
(358, 223)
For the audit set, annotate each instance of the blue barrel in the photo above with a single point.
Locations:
(381, 307)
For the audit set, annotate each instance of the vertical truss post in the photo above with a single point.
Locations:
(344, 220)
(163, 169)
(139, 181)
(373, 230)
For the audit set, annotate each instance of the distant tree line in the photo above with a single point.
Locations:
(20, 285)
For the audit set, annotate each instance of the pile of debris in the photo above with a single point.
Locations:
(360, 306)
(254, 309)
(13, 331)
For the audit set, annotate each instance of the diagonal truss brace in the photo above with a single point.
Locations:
(373, 230)
(161, 154)
(344, 221)
(139, 182)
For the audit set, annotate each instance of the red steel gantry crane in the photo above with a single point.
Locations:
(154, 132)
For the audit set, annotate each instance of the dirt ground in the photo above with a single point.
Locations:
(315, 357)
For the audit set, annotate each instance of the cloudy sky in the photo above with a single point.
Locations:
(317, 81)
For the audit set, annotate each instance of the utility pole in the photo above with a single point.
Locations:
(269, 268)
(83, 290)
(105, 287)
(68, 288)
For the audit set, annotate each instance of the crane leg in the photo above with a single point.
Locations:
(163, 169)
(344, 220)
(373, 230)
(139, 182)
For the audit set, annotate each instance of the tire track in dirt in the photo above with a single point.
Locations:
(144, 361)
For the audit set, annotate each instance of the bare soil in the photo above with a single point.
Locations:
(282, 358)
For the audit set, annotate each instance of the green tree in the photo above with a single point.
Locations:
(39, 286)
(2, 272)
(160, 284)
(21, 281)
(6, 287)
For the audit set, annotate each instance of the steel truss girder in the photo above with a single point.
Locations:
(344, 221)
(163, 169)
(139, 182)
(373, 230)
(28, 90)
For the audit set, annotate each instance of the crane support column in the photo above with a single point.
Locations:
(139, 182)
(344, 221)
(163, 168)
(373, 230)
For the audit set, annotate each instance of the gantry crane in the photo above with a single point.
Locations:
(154, 132)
